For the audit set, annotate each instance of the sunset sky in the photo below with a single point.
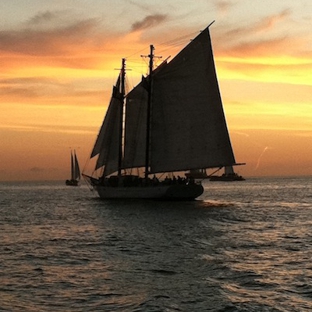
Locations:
(58, 63)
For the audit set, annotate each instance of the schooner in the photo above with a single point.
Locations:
(170, 123)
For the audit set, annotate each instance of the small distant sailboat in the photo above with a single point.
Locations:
(228, 175)
(171, 122)
(75, 170)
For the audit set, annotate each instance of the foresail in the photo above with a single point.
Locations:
(100, 140)
(107, 142)
(108, 154)
(188, 128)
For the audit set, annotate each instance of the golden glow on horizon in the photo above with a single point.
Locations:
(266, 70)
(281, 60)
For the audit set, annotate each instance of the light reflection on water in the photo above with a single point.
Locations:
(242, 247)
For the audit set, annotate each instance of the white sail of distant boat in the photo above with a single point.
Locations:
(170, 123)
(75, 170)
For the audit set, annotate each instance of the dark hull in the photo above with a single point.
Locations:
(158, 192)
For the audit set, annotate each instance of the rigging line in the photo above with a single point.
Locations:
(172, 42)
(215, 171)
(175, 43)
(179, 41)
(136, 53)
(85, 165)
(134, 61)
(161, 51)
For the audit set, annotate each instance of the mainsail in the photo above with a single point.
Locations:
(188, 124)
(188, 128)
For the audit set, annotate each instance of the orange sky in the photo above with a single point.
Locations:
(58, 63)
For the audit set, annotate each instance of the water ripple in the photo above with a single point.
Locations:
(236, 249)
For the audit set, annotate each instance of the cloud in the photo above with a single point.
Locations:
(148, 21)
(26, 88)
(264, 25)
(267, 37)
(270, 22)
(23, 80)
(72, 44)
(53, 41)
(43, 17)
(44, 91)
(260, 47)
(223, 6)
(15, 93)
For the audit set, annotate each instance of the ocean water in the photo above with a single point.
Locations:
(243, 246)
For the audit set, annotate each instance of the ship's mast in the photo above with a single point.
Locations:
(122, 95)
(149, 103)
